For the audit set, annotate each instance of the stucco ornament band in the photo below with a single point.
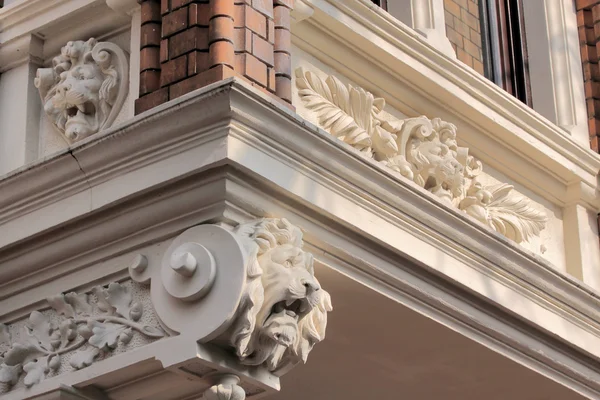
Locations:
(251, 290)
(421, 149)
(82, 327)
(85, 88)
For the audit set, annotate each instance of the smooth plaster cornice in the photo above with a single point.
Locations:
(139, 170)
(407, 57)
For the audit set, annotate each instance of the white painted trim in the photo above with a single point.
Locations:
(555, 65)
(47, 19)
(428, 18)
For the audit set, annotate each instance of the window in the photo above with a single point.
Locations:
(381, 3)
(504, 46)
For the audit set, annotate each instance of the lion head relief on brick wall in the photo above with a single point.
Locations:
(85, 88)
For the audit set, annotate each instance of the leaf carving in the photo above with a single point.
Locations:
(79, 302)
(344, 112)
(105, 334)
(39, 328)
(21, 353)
(84, 358)
(41, 346)
(513, 216)
(119, 297)
(101, 302)
(59, 303)
(36, 371)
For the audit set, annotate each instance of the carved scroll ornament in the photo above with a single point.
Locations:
(251, 291)
(85, 88)
(85, 327)
(422, 150)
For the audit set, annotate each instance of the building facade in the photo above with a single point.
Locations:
(299, 199)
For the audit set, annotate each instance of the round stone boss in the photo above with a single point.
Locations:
(202, 276)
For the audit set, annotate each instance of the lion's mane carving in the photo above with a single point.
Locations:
(85, 88)
(283, 310)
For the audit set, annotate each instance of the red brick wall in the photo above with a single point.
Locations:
(464, 31)
(188, 44)
(588, 22)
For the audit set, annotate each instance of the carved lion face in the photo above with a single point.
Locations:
(284, 308)
(76, 100)
(442, 173)
(80, 90)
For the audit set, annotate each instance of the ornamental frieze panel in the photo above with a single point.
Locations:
(422, 150)
(78, 330)
(84, 90)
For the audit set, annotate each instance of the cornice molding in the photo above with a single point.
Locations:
(240, 128)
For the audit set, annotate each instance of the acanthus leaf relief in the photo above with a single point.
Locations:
(85, 88)
(85, 327)
(421, 149)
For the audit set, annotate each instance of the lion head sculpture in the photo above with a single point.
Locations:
(430, 156)
(85, 88)
(283, 310)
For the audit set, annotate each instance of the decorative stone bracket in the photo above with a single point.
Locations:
(251, 291)
(422, 150)
(247, 297)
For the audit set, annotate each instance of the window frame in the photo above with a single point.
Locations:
(381, 3)
(504, 46)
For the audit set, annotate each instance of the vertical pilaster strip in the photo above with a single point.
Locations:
(282, 49)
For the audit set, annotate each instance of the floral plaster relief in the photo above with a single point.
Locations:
(421, 149)
(80, 329)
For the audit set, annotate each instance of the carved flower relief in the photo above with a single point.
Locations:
(82, 327)
(422, 150)
(85, 88)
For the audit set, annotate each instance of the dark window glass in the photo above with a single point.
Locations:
(505, 47)
(381, 3)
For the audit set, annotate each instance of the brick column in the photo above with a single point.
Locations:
(283, 44)
(150, 35)
(198, 42)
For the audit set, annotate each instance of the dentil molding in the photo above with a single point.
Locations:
(85, 88)
(422, 150)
